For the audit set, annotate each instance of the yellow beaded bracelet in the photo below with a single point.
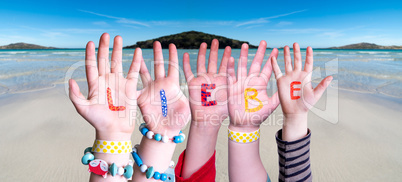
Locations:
(242, 137)
(112, 147)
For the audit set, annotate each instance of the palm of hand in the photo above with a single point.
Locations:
(237, 108)
(121, 121)
(251, 89)
(151, 106)
(306, 92)
(149, 101)
(219, 93)
(210, 112)
(100, 77)
(296, 93)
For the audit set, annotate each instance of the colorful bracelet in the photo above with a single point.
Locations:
(158, 137)
(149, 171)
(100, 167)
(112, 147)
(242, 137)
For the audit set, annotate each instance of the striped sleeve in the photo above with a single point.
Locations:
(294, 158)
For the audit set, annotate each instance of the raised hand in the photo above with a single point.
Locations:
(112, 99)
(176, 115)
(249, 106)
(296, 93)
(208, 91)
(208, 101)
(249, 103)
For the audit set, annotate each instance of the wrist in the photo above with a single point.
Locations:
(294, 126)
(207, 127)
(243, 128)
(113, 136)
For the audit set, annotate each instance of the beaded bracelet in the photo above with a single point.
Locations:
(149, 171)
(100, 167)
(158, 137)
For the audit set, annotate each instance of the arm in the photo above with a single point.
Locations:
(109, 124)
(249, 106)
(297, 96)
(156, 153)
(207, 117)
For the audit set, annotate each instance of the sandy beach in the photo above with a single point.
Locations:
(43, 138)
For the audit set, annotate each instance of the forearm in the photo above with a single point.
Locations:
(153, 153)
(244, 159)
(294, 149)
(294, 158)
(200, 147)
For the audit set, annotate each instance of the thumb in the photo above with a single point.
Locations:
(76, 97)
(319, 90)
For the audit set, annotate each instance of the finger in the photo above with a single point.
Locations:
(275, 67)
(135, 65)
(187, 67)
(231, 77)
(103, 55)
(91, 69)
(274, 101)
(297, 57)
(288, 59)
(213, 57)
(225, 60)
(201, 59)
(76, 97)
(319, 90)
(308, 67)
(173, 70)
(267, 69)
(133, 72)
(255, 67)
(144, 73)
(242, 65)
(231, 71)
(158, 61)
(117, 54)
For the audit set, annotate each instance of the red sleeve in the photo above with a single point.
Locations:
(206, 173)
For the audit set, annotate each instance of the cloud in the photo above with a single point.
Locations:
(266, 19)
(257, 21)
(100, 23)
(284, 23)
(119, 19)
(298, 30)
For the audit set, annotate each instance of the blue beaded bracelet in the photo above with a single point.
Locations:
(158, 137)
(149, 171)
(100, 167)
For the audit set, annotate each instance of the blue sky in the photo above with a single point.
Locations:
(72, 23)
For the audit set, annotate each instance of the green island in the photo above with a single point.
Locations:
(21, 45)
(190, 40)
(365, 45)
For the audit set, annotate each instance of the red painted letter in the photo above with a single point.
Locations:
(292, 89)
(205, 94)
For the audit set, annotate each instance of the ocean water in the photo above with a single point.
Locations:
(371, 71)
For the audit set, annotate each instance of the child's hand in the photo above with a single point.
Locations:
(296, 93)
(249, 104)
(150, 100)
(111, 118)
(213, 110)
